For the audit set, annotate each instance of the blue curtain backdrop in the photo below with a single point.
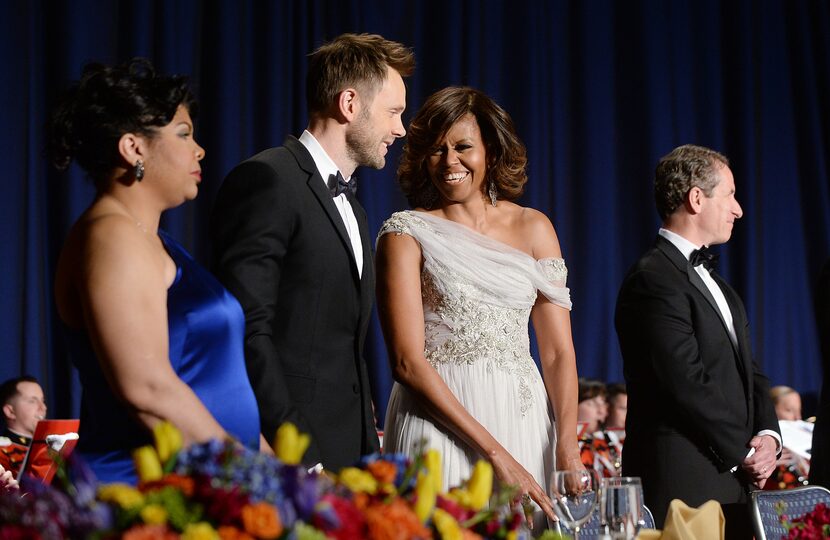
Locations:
(599, 91)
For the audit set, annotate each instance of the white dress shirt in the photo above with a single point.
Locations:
(686, 248)
(326, 167)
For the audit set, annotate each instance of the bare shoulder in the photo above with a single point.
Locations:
(114, 243)
(398, 245)
(106, 256)
(537, 229)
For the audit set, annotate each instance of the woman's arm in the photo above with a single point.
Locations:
(402, 319)
(558, 360)
(122, 288)
(552, 324)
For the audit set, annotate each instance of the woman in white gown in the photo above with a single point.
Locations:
(458, 279)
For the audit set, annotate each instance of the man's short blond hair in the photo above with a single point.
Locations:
(353, 61)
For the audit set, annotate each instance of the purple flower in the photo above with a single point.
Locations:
(83, 479)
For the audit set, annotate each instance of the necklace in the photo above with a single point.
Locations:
(138, 223)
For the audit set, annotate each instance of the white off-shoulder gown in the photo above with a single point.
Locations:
(477, 296)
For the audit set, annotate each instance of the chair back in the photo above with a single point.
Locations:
(768, 506)
(648, 518)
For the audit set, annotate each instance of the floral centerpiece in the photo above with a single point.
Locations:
(815, 524)
(222, 490)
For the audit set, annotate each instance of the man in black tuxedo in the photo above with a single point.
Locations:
(820, 460)
(700, 422)
(291, 242)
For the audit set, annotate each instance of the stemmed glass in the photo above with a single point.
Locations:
(575, 495)
(621, 507)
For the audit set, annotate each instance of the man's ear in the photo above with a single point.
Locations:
(348, 104)
(694, 200)
(132, 148)
(8, 411)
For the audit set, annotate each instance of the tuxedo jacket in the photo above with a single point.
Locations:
(694, 399)
(820, 460)
(281, 247)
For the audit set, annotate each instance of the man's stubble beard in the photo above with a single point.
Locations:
(360, 144)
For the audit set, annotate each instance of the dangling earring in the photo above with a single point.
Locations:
(139, 170)
(493, 192)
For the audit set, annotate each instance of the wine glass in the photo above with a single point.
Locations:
(575, 495)
(621, 507)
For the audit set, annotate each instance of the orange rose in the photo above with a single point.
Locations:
(185, 484)
(261, 520)
(226, 532)
(360, 500)
(383, 471)
(394, 521)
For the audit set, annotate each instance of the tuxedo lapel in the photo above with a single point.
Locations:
(367, 277)
(318, 187)
(698, 283)
(744, 350)
(684, 266)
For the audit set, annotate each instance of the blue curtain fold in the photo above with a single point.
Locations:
(599, 90)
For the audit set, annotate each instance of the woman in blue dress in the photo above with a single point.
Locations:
(154, 336)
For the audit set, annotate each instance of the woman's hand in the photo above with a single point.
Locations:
(7, 480)
(568, 460)
(510, 472)
(264, 447)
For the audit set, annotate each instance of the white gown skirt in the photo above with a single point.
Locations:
(513, 408)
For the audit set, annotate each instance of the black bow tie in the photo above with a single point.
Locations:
(337, 185)
(705, 257)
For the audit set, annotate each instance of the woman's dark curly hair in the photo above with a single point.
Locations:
(506, 155)
(108, 102)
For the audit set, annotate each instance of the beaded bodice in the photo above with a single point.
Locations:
(477, 293)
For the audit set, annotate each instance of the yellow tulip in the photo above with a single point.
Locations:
(425, 491)
(147, 464)
(199, 531)
(154, 514)
(123, 495)
(357, 480)
(447, 525)
(290, 444)
(460, 496)
(480, 485)
(168, 440)
(432, 461)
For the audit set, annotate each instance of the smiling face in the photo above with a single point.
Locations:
(718, 213)
(173, 157)
(378, 124)
(25, 409)
(457, 165)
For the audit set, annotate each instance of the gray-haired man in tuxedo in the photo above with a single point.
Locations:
(700, 422)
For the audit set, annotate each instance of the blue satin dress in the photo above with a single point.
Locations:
(207, 331)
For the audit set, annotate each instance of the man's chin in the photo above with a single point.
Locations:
(376, 164)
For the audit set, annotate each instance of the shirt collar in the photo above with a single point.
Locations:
(325, 165)
(686, 247)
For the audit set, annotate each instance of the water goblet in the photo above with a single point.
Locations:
(621, 507)
(575, 495)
